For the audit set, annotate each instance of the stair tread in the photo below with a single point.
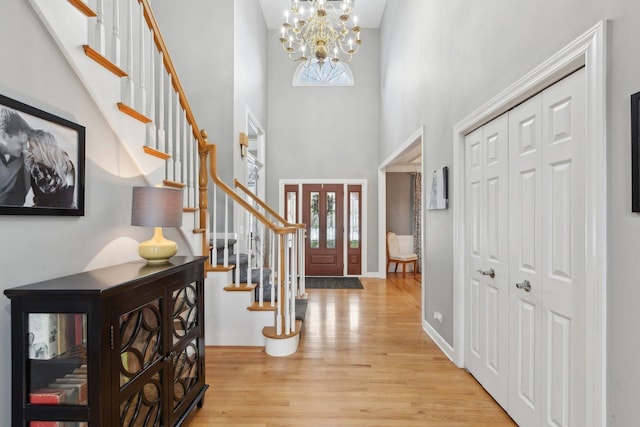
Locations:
(265, 307)
(270, 332)
(219, 267)
(244, 287)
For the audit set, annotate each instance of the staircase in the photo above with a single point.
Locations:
(254, 273)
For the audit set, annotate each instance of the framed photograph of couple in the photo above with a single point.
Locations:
(42, 160)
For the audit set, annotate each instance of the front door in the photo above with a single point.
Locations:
(322, 212)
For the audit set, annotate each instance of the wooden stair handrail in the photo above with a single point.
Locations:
(229, 191)
(266, 207)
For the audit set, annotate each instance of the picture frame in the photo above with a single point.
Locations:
(437, 190)
(635, 152)
(42, 162)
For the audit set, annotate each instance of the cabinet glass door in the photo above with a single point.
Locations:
(57, 358)
(186, 354)
(141, 358)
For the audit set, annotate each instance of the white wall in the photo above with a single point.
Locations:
(441, 60)
(325, 132)
(35, 248)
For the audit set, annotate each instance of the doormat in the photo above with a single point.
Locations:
(332, 283)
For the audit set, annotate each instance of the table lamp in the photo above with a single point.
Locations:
(157, 207)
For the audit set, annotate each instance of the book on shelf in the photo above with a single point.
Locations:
(71, 392)
(80, 328)
(43, 335)
(66, 332)
(48, 396)
(47, 424)
(72, 331)
(58, 424)
(81, 370)
(80, 384)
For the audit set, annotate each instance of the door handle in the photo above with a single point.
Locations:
(526, 285)
(489, 273)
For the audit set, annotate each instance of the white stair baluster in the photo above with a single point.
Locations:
(151, 127)
(99, 31)
(286, 291)
(180, 126)
(260, 257)
(127, 82)
(115, 34)
(162, 137)
(142, 78)
(214, 228)
(278, 284)
(274, 268)
(294, 279)
(190, 169)
(248, 249)
(301, 255)
(169, 170)
(226, 231)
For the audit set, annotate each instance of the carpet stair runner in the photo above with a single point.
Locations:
(240, 261)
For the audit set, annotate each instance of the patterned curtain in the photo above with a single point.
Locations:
(416, 202)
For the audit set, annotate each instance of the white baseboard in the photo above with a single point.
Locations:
(440, 342)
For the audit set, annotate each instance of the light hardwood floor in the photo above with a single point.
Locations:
(363, 360)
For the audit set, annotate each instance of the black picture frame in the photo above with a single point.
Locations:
(52, 158)
(635, 152)
(438, 189)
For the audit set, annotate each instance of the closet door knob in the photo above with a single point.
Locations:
(526, 285)
(489, 273)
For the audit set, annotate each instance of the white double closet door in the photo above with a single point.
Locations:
(525, 252)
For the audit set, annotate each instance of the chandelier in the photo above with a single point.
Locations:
(320, 30)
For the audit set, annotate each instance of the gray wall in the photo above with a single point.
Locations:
(35, 248)
(325, 132)
(198, 34)
(250, 73)
(399, 212)
(441, 60)
(221, 60)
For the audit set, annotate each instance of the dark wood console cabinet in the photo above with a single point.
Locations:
(117, 346)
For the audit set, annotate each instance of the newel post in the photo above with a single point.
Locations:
(202, 197)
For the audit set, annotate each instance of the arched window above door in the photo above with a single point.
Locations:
(328, 73)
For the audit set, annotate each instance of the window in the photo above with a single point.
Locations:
(314, 73)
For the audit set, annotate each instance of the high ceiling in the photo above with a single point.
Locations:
(369, 12)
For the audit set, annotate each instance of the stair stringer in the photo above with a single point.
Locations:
(227, 318)
(69, 29)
